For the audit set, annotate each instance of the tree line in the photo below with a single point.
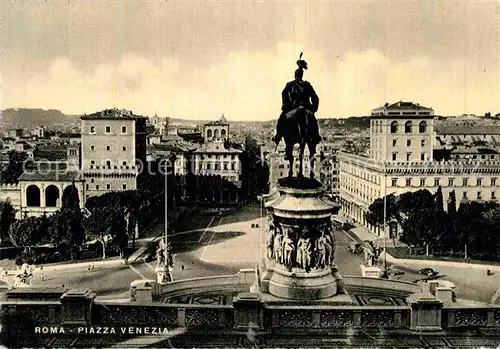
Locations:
(101, 229)
(471, 230)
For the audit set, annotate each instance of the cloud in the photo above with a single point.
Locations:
(246, 85)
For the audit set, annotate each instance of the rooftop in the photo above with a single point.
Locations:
(405, 109)
(402, 105)
(468, 129)
(51, 176)
(112, 114)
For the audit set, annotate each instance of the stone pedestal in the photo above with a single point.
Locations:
(370, 271)
(425, 312)
(163, 275)
(299, 256)
(444, 294)
(142, 291)
(77, 307)
(248, 312)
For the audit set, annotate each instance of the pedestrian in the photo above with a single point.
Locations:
(43, 277)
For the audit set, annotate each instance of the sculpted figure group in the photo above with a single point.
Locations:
(298, 248)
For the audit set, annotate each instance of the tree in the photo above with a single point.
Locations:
(15, 168)
(27, 232)
(491, 242)
(449, 239)
(452, 204)
(375, 213)
(119, 229)
(439, 218)
(98, 223)
(7, 217)
(469, 226)
(410, 201)
(71, 212)
(418, 228)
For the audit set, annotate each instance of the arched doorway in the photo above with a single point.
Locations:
(33, 197)
(52, 196)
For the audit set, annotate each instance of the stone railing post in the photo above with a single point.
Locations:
(142, 291)
(248, 311)
(425, 315)
(77, 307)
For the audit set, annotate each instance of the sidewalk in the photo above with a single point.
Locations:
(362, 233)
(52, 267)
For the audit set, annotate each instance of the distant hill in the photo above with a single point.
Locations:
(20, 117)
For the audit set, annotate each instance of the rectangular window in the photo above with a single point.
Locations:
(464, 195)
(436, 182)
(209, 166)
(493, 182)
(422, 157)
(88, 186)
(493, 195)
(394, 142)
(408, 142)
(92, 162)
(465, 182)
(124, 163)
(479, 196)
(108, 129)
(394, 156)
(108, 186)
(92, 129)
(108, 148)
(450, 182)
(92, 147)
(479, 182)
(108, 163)
(124, 129)
(422, 182)
(408, 182)
(422, 142)
(233, 166)
(124, 186)
(97, 187)
(394, 182)
(408, 156)
(124, 148)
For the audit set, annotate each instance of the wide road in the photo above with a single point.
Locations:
(227, 243)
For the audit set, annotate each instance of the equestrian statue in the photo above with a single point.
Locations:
(297, 123)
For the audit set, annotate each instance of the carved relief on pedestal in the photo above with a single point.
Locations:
(306, 246)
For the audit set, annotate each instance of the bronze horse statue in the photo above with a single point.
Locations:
(297, 130)
(297, 123)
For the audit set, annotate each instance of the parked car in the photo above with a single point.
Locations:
(355, 247)
(428, 271)
(395, 271)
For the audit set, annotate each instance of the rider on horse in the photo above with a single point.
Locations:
(297, 94)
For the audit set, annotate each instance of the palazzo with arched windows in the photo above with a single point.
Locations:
(42, 192)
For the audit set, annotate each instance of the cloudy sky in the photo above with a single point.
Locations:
(198, 59)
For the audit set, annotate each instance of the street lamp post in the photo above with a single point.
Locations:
(385, 275)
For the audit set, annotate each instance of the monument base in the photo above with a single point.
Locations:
(370, 271)
(278, 285)
(163, 275)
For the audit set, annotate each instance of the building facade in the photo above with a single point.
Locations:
(400, 160)
(113, 150)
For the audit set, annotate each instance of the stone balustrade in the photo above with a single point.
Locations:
(423, 313)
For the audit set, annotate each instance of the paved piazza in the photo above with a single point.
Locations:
(225, 244)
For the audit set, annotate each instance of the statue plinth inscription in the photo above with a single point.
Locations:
(300, 246)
